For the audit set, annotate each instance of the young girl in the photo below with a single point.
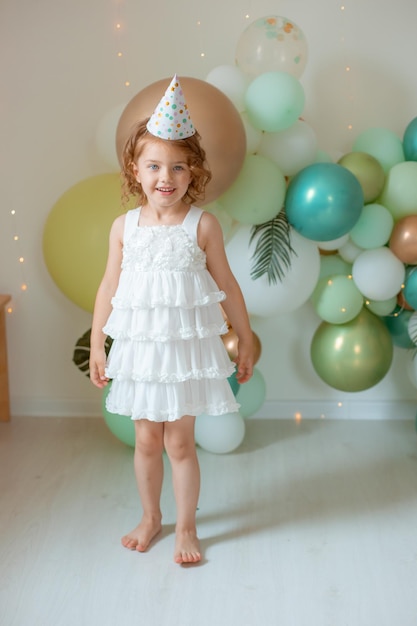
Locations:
(159, 298)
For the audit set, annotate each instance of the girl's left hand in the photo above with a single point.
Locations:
(244, 364)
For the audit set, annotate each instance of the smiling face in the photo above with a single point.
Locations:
(163, 172)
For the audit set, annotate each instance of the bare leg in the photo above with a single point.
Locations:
(149, 472)
(180, 447)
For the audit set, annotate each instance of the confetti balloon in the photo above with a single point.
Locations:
(272, 43)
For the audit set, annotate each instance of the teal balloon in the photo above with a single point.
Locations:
(353, 356)
(397, 324)
(251, 395)
(324, 201)
(122, 426)
(274, 101)
(410, 141)
(410, 286)
(234, 383)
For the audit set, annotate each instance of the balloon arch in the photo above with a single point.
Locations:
(352, 225)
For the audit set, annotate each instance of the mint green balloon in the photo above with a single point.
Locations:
(381, 143)
(274, 101)
(258, 193)
(381, 307)
(331, 264)
(353, 356)
(400, 190)
(336, 299)
(251, 395)
(373, 228)
(122, 426)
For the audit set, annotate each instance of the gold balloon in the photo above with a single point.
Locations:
(257, 348)
(403, 241)
(231, 343)
(402, 302)
(215, 117)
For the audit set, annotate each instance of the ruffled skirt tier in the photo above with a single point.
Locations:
(167, 358)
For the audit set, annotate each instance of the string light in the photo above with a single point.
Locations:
(120, 40)
(20, 258)
(348, 71)
(200, 43)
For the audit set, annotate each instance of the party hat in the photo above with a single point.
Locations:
(171, 118)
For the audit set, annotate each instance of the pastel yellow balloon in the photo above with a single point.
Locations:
(76, 234)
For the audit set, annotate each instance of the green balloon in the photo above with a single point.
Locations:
(274, 101)
(353, 356)
(382, 307)
(122, 426)
(334, 264)
(251, 395)
(336, 299)
(258, 193)
(383, 144)
(367, 170)
(373, 228)
(400, 190)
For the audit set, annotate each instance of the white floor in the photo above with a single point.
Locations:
(310, 524)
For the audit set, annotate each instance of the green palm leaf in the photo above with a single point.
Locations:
(272, 255)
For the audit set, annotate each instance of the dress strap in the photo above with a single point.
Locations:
(191, 220)
(131, 221)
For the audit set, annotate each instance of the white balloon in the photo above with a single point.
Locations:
(378, 273)
(412, 328)
(106, 137)
(219, 433)
(335, 244)
(286, 295)
(411, 367)
(349, 251)
(292, 149)
(226, 222)
(231, 81)
(253, 135)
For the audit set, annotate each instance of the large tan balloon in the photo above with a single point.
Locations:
(215, 117)
(403, 240)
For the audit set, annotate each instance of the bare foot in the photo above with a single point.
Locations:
(187, 547)
(141, 536)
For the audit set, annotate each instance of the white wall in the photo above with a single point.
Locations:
(61, 75)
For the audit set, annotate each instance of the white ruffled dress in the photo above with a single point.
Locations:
(167, 357)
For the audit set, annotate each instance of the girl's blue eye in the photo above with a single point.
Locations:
(153, 166)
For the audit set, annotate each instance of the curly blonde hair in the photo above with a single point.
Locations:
(194, 154)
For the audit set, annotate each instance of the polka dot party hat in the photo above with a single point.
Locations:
(171, 118)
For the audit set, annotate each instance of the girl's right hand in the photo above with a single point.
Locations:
(97, 370)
